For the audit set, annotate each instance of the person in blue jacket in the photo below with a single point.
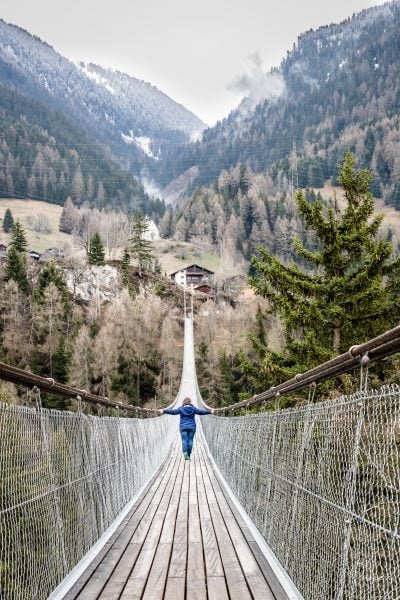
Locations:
(187, 425)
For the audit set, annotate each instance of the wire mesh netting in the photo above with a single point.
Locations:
(64, 478)
(322, 485)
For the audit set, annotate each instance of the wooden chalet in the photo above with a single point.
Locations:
(194, 276)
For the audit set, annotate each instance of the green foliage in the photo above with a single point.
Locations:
(136, 379)
(72, 163)
(94, 328)
(345, 295)
(8, 221)
(18, 238)
(160, 289)
(47, 275)
(126, 270)
(222, 383)
(61, 361)
(140, 248)
(51, 274)
(96, 254)
(204, 369)
(16, 269)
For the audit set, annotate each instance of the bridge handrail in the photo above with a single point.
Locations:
(379, 347)
(48, 384)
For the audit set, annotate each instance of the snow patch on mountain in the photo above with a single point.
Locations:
(141, 142)
(94, 76)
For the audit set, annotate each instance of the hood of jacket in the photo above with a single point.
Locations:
(187, 410)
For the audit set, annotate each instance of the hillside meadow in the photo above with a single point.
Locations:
(172, 255)
(24, 210)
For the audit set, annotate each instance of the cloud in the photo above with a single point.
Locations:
(258, 85)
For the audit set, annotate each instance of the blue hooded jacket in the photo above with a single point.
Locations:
(187, 413)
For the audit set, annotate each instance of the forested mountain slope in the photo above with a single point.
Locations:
(46, 156)
(80, 116)
(337, 89)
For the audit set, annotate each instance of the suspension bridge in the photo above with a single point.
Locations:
(288, 504)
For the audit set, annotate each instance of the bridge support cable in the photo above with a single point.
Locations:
(48, 384)
(375, 349)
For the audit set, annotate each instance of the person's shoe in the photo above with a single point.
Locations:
(186, 456)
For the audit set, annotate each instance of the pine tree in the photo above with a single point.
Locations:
(61, 360)
(204, 370)
(18, 238)
(15, 269)
(141, 249)
(125, 265)
(52, 274)
(96, 251)
(8, 221)
(344, 297)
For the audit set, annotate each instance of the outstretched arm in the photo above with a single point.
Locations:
(171, 411)
(201, 411)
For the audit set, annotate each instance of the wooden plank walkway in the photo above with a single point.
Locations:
(181, 541)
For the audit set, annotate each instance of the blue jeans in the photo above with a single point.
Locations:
(187, 436)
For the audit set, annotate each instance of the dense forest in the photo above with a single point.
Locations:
(340, 90)
(45, 156)
(243, 210)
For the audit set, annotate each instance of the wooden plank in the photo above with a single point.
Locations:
(129, 523)
(236, 582)
(140, 574)
(195, 579)
(168, 532)
(175, 588)
(250, 567)
(194, 530)
(212, 556)
(158, 574)
(119, 570)
(216, 587)
(177, 567)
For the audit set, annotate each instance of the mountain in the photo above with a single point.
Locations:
(338, 88)
(102, 123)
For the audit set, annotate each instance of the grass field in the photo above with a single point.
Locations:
(39, 241)
(172, 255)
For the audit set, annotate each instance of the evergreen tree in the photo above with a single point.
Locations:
(394, 198)
(344, 297)
(96, 251)
(18, 238)
(60, 361)
(125, 268)
(260, 326)
(8, 221)
(51, 274)
(204, 370)
(15, 269)
(141, 249)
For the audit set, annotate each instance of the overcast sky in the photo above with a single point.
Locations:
(195, 51)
